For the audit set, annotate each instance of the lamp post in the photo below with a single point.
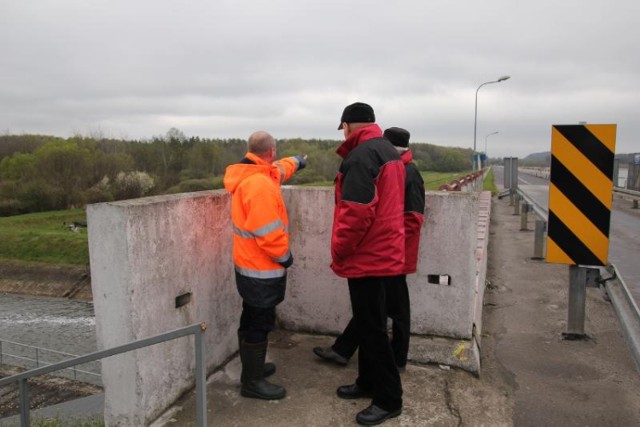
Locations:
(485, 143)
(475, 120)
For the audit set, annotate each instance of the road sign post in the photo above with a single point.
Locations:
(580, 201)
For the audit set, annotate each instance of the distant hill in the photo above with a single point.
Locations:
(537, 159)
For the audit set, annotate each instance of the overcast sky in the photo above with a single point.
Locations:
(225, 68)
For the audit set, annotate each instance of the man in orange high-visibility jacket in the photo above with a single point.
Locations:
(261, 254)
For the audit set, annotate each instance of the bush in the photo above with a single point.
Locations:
(97, 194)
(132, 185)
(9, 207)
(191, 185)
(38, 196)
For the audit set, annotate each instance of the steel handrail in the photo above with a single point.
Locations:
(627, 311)
(196, 329)
(632, 193)
(38, 361)
(539, 210)
(75, 371)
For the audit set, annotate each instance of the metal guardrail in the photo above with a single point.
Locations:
(460, 183)
(539, 210)
(201, 391)
(37, 359)
(624, 191)
(625, 307)
(628, 194)
(627, 311)
(541, 223)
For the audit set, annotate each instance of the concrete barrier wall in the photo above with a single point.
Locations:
(146, 252)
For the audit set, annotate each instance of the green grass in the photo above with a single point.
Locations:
(489, 183)
(433, 180)
(42, 237)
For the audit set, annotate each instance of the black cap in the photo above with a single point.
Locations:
(398, 136)
(358, 112)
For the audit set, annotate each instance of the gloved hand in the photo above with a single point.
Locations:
(288, 262)
(302, 161)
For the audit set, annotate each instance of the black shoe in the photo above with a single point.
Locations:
(327, 353)
(374, 415)
(352, 391)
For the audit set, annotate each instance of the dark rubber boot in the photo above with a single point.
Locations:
(269, 368)
(254, 384)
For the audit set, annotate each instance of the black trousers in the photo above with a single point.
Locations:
(377, 370)
(398, 309)
(256, 322)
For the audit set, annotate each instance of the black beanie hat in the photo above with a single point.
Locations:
(358, 112)
(398, 136)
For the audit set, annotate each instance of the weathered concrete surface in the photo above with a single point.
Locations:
(146, 252)
(432, 396)
(529, 377)
(552, 381)
(318, 301)
(62, 281)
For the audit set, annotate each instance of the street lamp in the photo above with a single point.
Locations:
(475, 120)
(485, 143)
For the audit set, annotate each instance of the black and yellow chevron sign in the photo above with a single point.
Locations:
(580, 194)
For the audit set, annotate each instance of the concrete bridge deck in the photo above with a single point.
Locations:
(530, 376)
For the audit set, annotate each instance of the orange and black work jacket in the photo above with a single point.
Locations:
(260, 227)
(367, 239)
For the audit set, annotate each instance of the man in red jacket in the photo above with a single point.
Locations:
(367, 248)
(398, 303)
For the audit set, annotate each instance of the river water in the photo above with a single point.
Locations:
(57, 324)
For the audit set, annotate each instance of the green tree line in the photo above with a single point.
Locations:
(42, 173)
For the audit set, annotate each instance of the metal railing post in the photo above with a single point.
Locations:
(577, 301)
(201, 380)
(24, 402)
(516, 205)
(580, 277)
(538, 244)
(524, 217)
(37, 358)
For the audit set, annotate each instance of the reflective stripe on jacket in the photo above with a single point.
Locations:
(259, 216)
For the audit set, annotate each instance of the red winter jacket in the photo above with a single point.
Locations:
(413, 212)
(368, 227)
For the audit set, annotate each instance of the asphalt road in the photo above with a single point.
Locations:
(624, 235)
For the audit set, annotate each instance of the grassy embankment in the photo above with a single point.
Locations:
(45, 237)
(489, 183)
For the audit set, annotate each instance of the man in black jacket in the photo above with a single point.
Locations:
(367, 248)
(397, 295)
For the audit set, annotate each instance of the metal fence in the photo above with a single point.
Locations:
(197, 330)
(625, 307)
(31, 357)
